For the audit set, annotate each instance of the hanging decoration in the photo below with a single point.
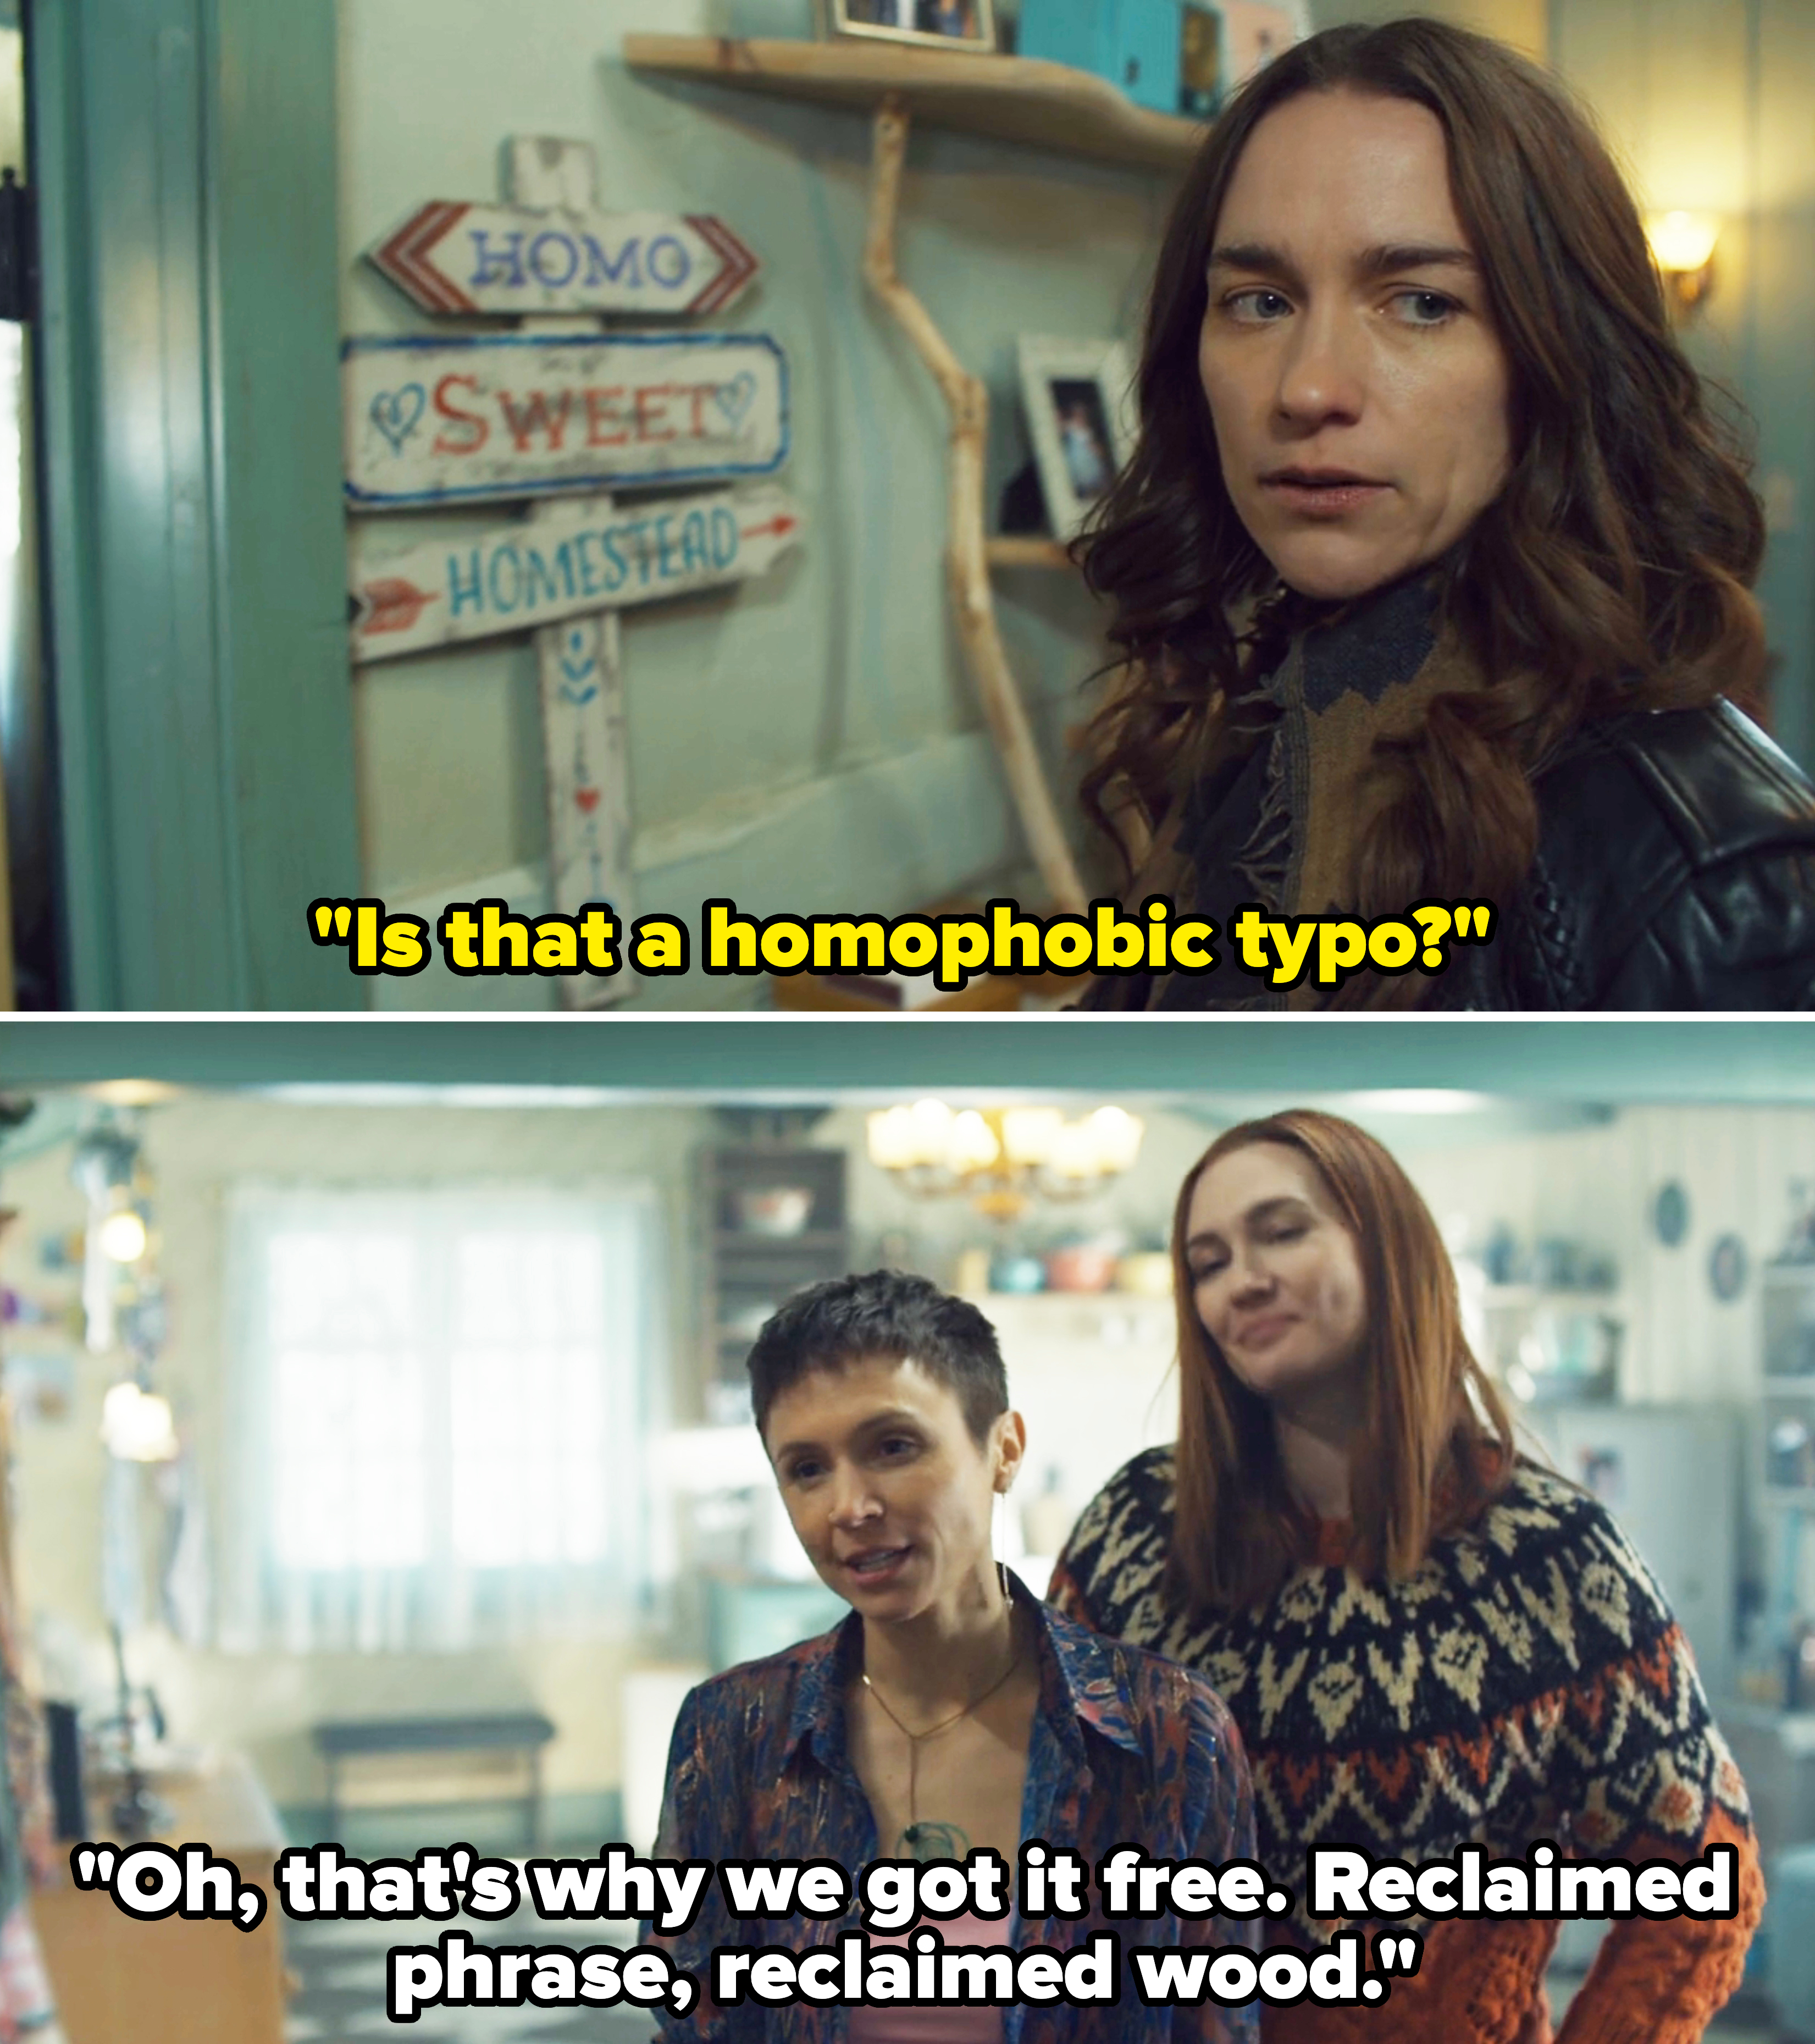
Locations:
(1002, 1159)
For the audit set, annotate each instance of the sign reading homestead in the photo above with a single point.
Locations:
(526, 415)
(571, 559)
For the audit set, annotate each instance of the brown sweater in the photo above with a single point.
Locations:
(1527, 1682)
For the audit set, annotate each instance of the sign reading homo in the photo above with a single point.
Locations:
(573, 559)
(451, 257)
(527, 414)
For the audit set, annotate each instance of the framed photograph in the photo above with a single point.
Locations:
(946, 25)
(1200, 60)
(1254, 32)
(1080, 403)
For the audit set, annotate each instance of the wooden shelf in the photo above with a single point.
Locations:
(1015, 99)
(1025, 551)
(1516, 1298)
(809, 1242)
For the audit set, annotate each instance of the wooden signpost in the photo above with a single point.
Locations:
(573, 558)
(523, 414)
(585, 754)
(548, 413)
(451, 257)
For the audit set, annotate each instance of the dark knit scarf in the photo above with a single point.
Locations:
(1298, 780)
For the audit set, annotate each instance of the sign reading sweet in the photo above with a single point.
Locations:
(456, 421)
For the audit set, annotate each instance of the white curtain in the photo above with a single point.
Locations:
(437, 1415)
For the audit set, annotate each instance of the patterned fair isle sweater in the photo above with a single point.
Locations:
(1527, 1682)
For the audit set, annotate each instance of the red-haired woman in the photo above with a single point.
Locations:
(1425, 1639)
(1431, 574)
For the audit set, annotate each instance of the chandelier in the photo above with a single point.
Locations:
(1002, 1159)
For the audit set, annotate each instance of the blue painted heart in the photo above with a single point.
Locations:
(578, 662)
(398, 413)
(735, 398)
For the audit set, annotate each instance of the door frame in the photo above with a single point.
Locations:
(184, 156)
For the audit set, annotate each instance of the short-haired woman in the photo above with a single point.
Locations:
(1426, 1640)
(951, 1711)
(1431, 574)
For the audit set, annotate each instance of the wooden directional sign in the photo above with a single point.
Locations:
(527, 414)
(572, 559)
(451, 257)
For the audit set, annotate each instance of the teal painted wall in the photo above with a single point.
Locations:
(183, 151)
(1710, 1059)
(1708, 102)
(813, 742)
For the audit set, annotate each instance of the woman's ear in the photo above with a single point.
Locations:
(1011, 1448)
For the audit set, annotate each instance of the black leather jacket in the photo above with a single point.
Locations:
(1675, 869)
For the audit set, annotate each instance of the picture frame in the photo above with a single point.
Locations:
(938, 25)
(1255, 31)
(1078, 397)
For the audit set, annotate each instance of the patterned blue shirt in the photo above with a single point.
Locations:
(1126, 1749)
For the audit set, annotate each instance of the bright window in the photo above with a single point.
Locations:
(442, 1391)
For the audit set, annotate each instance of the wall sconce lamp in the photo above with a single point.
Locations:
(1683, 247)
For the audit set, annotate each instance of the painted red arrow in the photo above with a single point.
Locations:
(781, 526)
(740, 262)
(394, 605)
(406, 259)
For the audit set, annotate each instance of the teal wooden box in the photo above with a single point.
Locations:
(1137, 44)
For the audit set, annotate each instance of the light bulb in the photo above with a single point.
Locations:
(1029, 1133)
(135, 1425)
(1682, 241)
(931, 1121)
(1118, 1138)
(892, 1139)
(972, 1145)
(1076, 1154)
(122, 1236)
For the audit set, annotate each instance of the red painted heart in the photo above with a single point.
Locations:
(588, 798)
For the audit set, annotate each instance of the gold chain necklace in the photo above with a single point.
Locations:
(911, 1837)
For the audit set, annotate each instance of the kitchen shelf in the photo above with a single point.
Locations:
(1513, 1297)
(1014, 99)
(744, 1268)
(811, 1242)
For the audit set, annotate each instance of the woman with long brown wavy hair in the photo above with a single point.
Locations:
(1424, 1639)
(1431, 573)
